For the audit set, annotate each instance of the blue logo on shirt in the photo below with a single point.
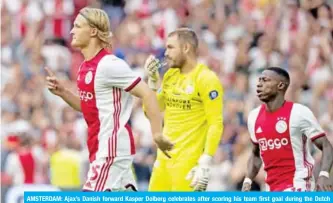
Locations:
(213, 94)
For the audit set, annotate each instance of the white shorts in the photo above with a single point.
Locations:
(301, 187)
(110, 174)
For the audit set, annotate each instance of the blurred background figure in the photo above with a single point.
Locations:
(238, 38)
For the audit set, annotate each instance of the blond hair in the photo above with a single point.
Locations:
(98, 18)
(186, 35)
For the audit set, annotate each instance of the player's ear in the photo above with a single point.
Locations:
(93, 32)
(186, 48)
(281, 85)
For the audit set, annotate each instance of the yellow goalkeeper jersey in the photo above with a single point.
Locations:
(193, 110)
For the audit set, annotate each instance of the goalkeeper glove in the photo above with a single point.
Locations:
(152, 65)
(200, 173)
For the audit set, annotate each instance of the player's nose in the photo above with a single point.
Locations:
(166, 54)
(259, 84)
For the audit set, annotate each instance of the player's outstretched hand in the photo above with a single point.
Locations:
(152, 65)
(164, 144)
(246, 187)
(53, 83)
(324, 184)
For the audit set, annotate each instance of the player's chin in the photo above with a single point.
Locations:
(263, 98)
(75, 44)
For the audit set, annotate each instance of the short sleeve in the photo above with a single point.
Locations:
(308, 123)
(117, 73)
(251, 120)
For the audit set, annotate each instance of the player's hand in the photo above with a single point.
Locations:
(200, 174)
(152, 65)
(53, 83)
(246, 187)
(163, 143)
(324, 184)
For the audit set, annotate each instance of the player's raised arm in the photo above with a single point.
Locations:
(211, 92)
(311, 128)
(57, 88)
(152, 65)
(154, 82)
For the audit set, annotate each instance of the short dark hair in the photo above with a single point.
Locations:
(186, 35)
(280, 71)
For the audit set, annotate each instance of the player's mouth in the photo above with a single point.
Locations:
(259, 93)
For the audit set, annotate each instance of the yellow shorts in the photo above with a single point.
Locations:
(170, 174)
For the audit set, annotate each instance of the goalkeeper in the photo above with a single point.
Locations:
(191, 97)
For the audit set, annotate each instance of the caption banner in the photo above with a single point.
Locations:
(174, 197)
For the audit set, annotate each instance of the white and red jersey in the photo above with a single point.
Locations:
(284, 138)
(24, 167)
(103, 84)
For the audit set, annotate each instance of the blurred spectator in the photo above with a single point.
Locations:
(66, 165)
(58, 17)
(24, 165)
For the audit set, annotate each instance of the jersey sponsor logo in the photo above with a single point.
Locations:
(259, 130)
(213, 94)
(281, 126)
(88, 77)
(178, 103)
(272, 144)
(86, 96)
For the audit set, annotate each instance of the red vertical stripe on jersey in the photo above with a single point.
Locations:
(131, 137)
(93, 132)
(118, 118)
(106, 175)
(28, 165)
(100, 175)
(116, 115)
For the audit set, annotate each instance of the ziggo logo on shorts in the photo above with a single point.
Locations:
(271, 144)
(85, 96)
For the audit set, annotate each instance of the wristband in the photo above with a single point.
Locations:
(152, 84)
(247, 180)
(205, 159)
(324, 173)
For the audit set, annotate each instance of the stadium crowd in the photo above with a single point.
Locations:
(43, 140)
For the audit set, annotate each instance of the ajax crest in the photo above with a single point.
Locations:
(281, 126)
(88, 78)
